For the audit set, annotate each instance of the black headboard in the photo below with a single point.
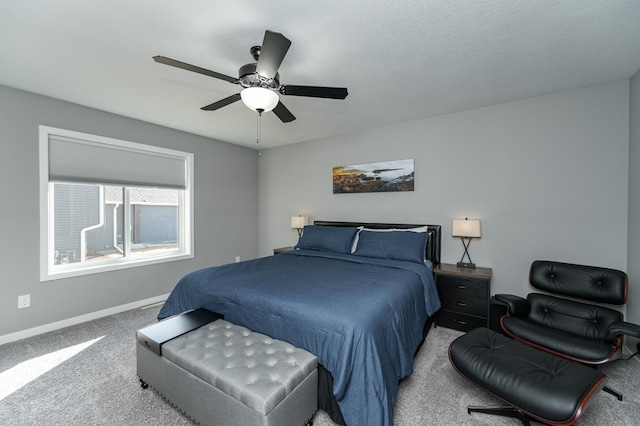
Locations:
(433, 242)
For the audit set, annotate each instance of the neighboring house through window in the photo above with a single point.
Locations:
(109, 204)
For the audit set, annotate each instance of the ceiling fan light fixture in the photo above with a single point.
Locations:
(256, 98)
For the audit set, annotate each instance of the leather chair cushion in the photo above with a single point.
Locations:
(545, 386)
(577, 318)
(557, 341)
(593, 283)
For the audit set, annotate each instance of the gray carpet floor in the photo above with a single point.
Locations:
(98, 384)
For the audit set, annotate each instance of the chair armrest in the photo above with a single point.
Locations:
(518, 306)
(622, 327)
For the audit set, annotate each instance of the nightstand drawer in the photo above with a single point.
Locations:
(459, 321)
(464, 287)
(464, 304)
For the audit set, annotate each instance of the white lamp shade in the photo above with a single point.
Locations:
(256, 98)
(469, 228)
(299, 222)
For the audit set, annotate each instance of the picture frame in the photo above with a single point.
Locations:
(384, 176)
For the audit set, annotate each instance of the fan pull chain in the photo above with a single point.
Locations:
(259, 130)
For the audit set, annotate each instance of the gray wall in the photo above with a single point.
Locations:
(225, 212)
(633, 255)
(547, 176)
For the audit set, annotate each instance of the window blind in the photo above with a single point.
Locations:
(126, 164)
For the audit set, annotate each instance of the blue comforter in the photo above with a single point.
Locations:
(363, 318)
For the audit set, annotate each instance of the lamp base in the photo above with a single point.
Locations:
(466, 265)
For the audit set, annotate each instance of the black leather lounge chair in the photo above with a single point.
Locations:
(588, 333)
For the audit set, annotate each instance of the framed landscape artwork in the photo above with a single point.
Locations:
(387, 176)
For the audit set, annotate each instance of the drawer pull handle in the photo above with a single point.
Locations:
(464, 305)
(461, 286)
(461, 322)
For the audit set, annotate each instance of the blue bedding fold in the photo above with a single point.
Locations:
(362, 317)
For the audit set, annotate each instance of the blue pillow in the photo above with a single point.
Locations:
(335, 239)
(400, 245)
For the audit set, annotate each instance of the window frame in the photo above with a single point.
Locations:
(48, 270)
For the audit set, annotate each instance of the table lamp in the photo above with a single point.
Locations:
(466, 229)
(299, 222)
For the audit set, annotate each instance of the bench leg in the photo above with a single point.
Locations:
(310, 421)
(505, 411)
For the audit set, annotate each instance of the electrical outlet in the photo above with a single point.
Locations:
(24, 301)
(237, 259)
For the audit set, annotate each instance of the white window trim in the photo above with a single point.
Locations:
(46, 234)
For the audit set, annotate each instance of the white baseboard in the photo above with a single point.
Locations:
(12, 337)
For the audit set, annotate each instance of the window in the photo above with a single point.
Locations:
(109, 204)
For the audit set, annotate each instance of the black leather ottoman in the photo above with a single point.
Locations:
(535, 384)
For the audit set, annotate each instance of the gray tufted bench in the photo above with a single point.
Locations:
(224, 374)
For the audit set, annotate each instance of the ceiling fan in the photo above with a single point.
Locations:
(261, 81)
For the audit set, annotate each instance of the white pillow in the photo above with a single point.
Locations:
(418, 229)
(355, 239)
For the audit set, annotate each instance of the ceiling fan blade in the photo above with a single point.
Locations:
(315, 91)
(274, 48)
(222, 103)
(283, 113)
(193, 68)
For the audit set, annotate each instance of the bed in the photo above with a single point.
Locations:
(360, 296)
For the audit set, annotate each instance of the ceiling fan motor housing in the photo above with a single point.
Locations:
(248, 77)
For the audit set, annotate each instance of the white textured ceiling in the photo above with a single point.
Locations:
(400, 59)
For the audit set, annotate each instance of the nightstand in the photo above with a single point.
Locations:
(464, 294)
(282, 249)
